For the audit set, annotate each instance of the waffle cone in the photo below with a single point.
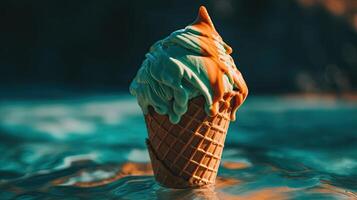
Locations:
(187, 154)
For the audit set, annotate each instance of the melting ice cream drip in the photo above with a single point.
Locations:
(215, 67)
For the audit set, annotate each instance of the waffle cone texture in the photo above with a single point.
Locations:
(187, 154)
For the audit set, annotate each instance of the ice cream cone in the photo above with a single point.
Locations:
(186, 146)
(187, 154)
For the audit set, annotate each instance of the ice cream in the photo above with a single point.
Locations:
(190, 62)
(189, 90)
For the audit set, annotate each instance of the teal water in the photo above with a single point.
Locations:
(280, 148)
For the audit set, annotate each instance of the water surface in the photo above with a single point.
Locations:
(93, 148)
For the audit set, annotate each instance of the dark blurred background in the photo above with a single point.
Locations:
(281, 46)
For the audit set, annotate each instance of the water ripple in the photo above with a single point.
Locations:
(93, 148)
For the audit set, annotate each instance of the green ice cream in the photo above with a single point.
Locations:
(174, 72)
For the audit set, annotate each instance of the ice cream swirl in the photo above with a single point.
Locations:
(188, 63)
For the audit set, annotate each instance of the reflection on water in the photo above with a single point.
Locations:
(280, 148)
